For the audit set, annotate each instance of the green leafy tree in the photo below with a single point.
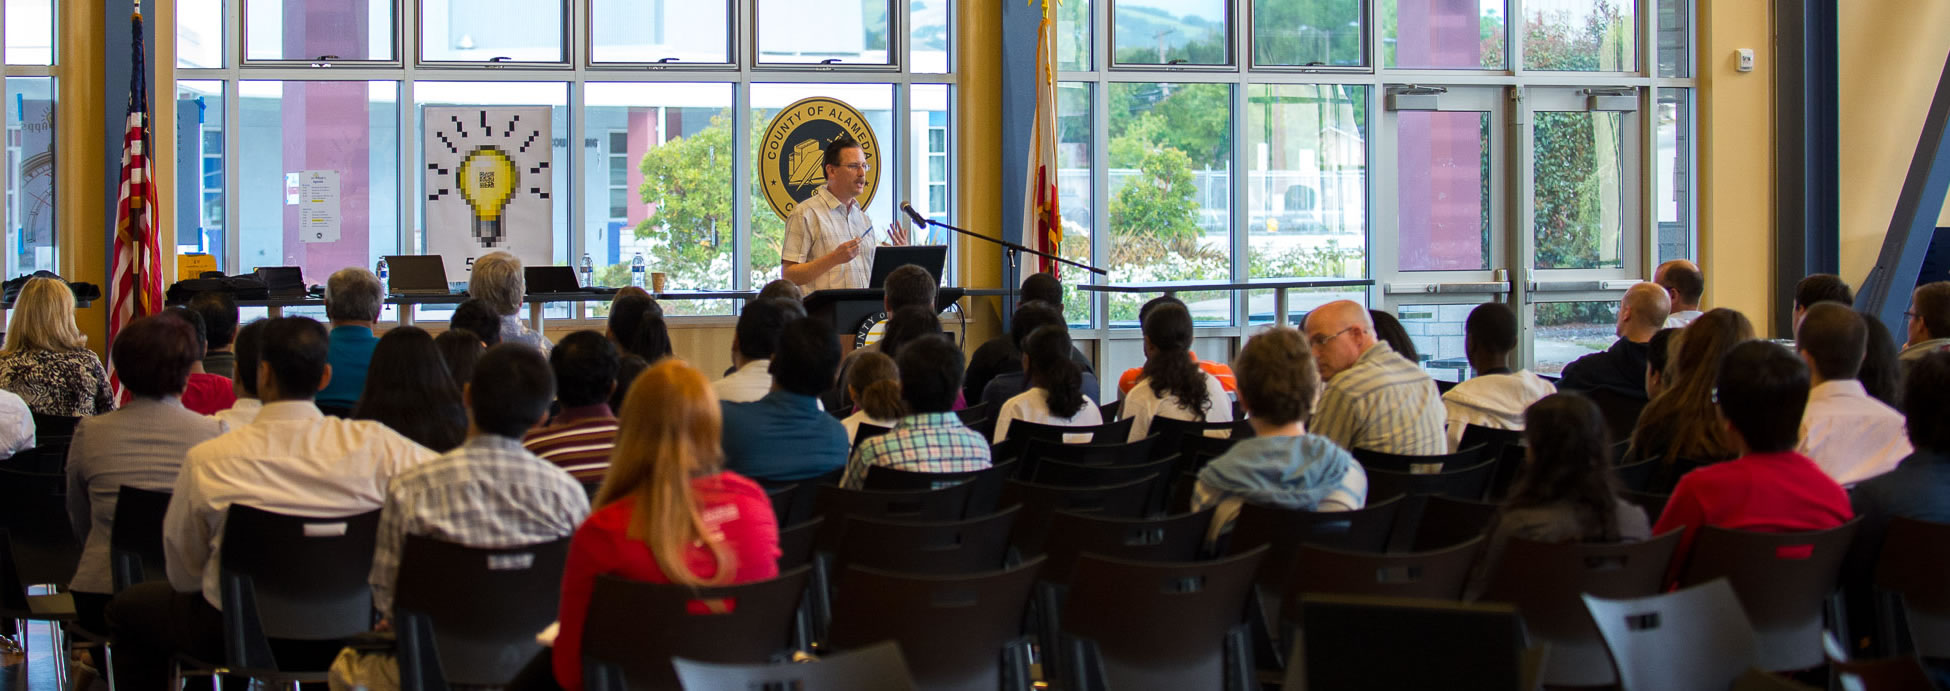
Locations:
(688, 181)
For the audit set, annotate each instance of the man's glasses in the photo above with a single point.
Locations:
(1320, 341)
(857, 167)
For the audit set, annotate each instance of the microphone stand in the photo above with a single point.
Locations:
(1012, 250)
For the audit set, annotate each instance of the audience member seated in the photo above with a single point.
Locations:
(1174, 386)
(1496, 397)
(1816, 289)
(1919, 487)
(460, 350)
(1389, 330)
(1881, 369)
(219, 312)
(1056, 393)
(140, 445)
(1003, 353)
(1620, 369)
(489, 492)
(16, 425)
(668, 511)
(785, 437)
(582, 436)
(781, 288)
(1566, 490)
(1374, 399)
(45, 358)
(353, 297)
(1763, 390)
(626, 315)
(292, 459)
(628, 368)
(409, 390)
(1929, 322)
(1129, 379)
(1281, 465)
(652, 339)
(206, 393)
(249, 340)
(1852, 436)
(1030, 317)
(1684, 284)
(752, 347)
(498, 281)
(913, 323)
(1681, 423)
(875, 387)
(476, 317)
(931, 439)
(907, 286)
(1658, 354)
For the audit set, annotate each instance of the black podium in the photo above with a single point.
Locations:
(846, 309)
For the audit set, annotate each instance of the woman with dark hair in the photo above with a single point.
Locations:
(1683, 422)
(1566, 490)
(1880, 368)
(627, 369)
(874, 384)
(905, 326)
(1390, 331)
(461, 349)
(409, 390)
(1055, 395)
(1173, 384)
(652, 339)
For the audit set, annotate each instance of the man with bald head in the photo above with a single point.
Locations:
(1620, 369)
(1684, 285)
(1374, 398)
(1852, 436)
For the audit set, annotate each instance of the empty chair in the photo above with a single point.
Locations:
(1546, 581)
(1020, 432)
(1067, 474)
(837, 503)
(1693, 639)
(897, 480)
(635, 628)
(1430, 645)
(1199, 450)
(796, 543)
(1283, 530)
(958, 633)
(1783, 580)
(927, 547)
(1447, 521)
(135, 545)
(468, 616)
(1132, 625)
(37, 547)
(1171, 434)
(876, 668)
(1492, 441)
(1462, 483)
(1167, 539)
(975, 413)
(1040, 502)
(1376, 460)
(866, 431)
(296, 578)
(1915, 563)
(1036, 452)
(796, 505)
(1509, 463)
(1435, 575)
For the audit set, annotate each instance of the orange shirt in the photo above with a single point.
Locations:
(1216, 369)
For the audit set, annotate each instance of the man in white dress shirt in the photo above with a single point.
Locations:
(1852, 436)
(291, 459)
(752, 346)
(829, 241)
(1685, 285)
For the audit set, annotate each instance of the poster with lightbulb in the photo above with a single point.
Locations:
(488, 185)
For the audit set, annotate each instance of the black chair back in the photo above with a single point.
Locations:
(1546, 581)
(1167, 539)
(1915, 563)
(1041, 502)
(1461, 483)
(836, 504)
(1035, 452)
(983, 495)
(793, 502)
(1621, 411)
(469, 615)
(958, 633)
(975, 413)
(796, 543)
(1432, 645)
(1783, 581)
(1445, 522)
(1637, 477)
(135, 544)
(1283, 530)
(1172, 433)
(927, 547)
(1149, 625)
(292, 577)
(1434, 575)
(634, 628)
(1401, 463)
(780, 496)
(1020, 432)
(876, 668)
(866, 431)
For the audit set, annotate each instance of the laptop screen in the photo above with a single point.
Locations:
(417, 273)
(887, 259)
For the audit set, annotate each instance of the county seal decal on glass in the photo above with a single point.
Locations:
(791, 158)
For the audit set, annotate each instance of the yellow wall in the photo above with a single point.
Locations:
(979, 104)
(1736, 190)
(1892, 54)
(80, 204)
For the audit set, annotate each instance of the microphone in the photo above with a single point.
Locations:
(919, 220)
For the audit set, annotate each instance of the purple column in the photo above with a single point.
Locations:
(327, 126)
(1439, 154)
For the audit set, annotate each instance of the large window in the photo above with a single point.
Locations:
(29, 118)
(649, 130)
(1533, 152)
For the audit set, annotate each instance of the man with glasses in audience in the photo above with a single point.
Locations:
(1929, 323)
(829, 241)
(1375, 399)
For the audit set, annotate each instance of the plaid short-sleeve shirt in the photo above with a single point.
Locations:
(926, 443)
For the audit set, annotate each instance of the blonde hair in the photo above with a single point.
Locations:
(668, 435)
(497, 280)
(43, 319)
(875, 385)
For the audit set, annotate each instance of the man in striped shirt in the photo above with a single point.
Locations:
(582, 435)
(1375, 398)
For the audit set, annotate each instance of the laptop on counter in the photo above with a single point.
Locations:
(417, 274)
(551, 279)
(282, 281)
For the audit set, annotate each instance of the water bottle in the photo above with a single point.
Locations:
(385, 276)
(636, 270)
(588, 271)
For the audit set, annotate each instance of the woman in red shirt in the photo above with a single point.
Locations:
(668, 511)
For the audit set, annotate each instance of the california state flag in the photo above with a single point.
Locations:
(1042, 226)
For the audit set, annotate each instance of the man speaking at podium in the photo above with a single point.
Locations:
(829, 241)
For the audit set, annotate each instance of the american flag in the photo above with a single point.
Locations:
(136, 285)
(1042, 222)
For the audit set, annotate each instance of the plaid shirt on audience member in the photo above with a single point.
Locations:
(489, 493)
(925, 443)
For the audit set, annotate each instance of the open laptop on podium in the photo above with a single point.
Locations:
(417, 274)
(887, 259)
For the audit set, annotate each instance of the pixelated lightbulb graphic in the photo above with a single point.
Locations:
(487, 179)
